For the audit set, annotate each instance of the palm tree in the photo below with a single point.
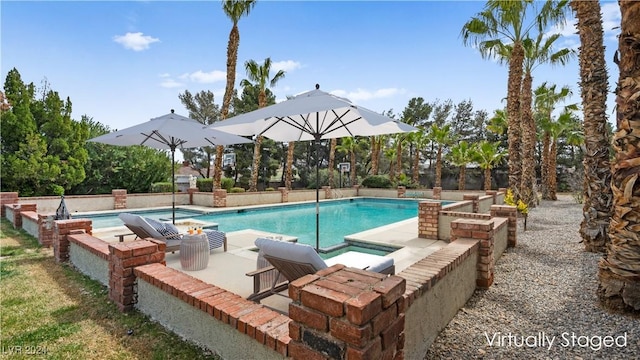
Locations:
(501, 23)
(619, 270)
(390, 154)
(234, 9)
(545, 100)
(461, 154)
(376, 142)
(419, 139)
(498, 123)
(488, 155)
(289, 167)
(442, 137)
(332, 160)
(400, 139)
(536, 53)
(563, 126)
(349, 145)
(260, 75)
(593, 88)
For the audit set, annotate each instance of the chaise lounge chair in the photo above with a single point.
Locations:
(293, 261)
(145, 227)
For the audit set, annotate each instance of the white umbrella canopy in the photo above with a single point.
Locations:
(313, 115)
(170, 131)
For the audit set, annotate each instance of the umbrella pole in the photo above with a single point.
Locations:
(173, 186)
(317, 193)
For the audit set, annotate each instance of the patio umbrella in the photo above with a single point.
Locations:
(170, 132)
(313, 115)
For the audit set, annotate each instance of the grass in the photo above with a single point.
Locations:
(49, 310)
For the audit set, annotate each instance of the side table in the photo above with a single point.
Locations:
(194, 252)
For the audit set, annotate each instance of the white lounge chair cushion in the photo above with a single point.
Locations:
(291, 251)
(360, 260)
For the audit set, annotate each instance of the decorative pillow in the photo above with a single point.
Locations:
(216, 238)
(165, 229)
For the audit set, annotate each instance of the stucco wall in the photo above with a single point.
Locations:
(89, 264)
(49, 204)
(500, 237)
(30, 225)
(135, 201)
(431, 312)
(484, 204)
(198, 326)
(254, 198)
(203, 199)
(10, 215)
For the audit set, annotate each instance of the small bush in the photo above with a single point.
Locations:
(161, 187)
(226, 183)
(236, 190)
(204, 185)
(269, 189)
(377, 181)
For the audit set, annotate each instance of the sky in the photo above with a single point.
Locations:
(123, 63)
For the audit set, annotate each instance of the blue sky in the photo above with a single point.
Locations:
(123, 63)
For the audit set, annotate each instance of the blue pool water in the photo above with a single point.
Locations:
(104, 220)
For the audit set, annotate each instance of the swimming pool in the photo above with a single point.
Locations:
(110, 219)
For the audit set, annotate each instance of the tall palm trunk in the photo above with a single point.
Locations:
(416, 162)
(375, 154)
(553, 155)
(461, 178)
(257, 156)
(332, 161)
(289, 173)
(514, 84)
(619, 270)
(544, 168)
(352, 172)
(528, 144)
(593, 84)
(439, 167)
(487, 179)
(399, 158)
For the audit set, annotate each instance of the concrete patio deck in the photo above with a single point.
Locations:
(228, 269)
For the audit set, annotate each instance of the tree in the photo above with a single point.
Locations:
(201, 107)
(332, 161)
(260, 75)
(461, 155)
(619, 269)
(234, 9)
(563, 126)
(442, 137)
(536, 53)
(419, 139)
(503, 23)
(349, 145)
(545, 101)
(488, 155)
(593, 90)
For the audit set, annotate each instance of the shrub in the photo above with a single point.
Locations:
(377, 181)
(226, 183)
(204, 185)
(236, 190)
(161, 187)
(269, 189)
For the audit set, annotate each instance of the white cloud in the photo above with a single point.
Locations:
(164, 75)
(364, 95)
(285, 65)
(170, 84)
(135, 41)
(207, 77)
(611, 20)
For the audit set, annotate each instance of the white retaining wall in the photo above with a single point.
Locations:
(89, 264)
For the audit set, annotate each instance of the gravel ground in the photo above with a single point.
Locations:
(544, 289)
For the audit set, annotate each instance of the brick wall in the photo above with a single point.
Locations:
(437, 193)
(119, 199)
(346, 313)
(473, 198)
(483, 231)
(511, 213)
(284, 192)
(46, 229)
(402, 191)
(219, 198)
(7, 198)
(64, 228)
(17, 210)
(428, 212)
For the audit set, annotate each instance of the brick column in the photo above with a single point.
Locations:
(284, 194)
(357, 187)
(7, 198)
(46, 229)
(481, 230)
(511, 213)
(63, 228)
(220, 198)
(327, 192)
(502, 190)
(437, 193)
(494, 194)
(347, 313)
(475, 198)
(123, 258)
(428, 212)
(120, 199)
(402, 191)
(191, 191)
(17, 210)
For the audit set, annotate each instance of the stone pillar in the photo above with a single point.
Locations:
(7, 198)
(191, 191)
(502, 190)
(481, 230)
(120, 199)
(437, 193)
(511, 213)
(475, 198)
(402, 192)
(494, 194)
(220, 198)
(284, 194)
(428, 213)
(17, 210)
(347, 313)
(327, 192)
(357, 187)
(63, 228)
(46, 229)
(123, 258)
